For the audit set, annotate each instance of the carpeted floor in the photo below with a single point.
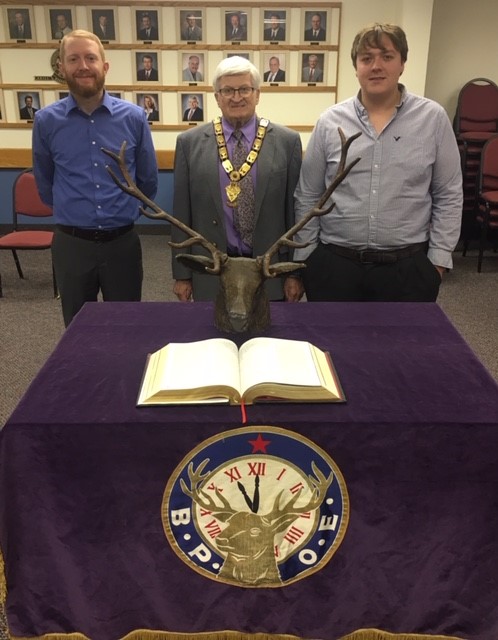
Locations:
(31, 321)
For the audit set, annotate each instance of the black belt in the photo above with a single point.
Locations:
(235, 254)
(373, 255)
(95, 235)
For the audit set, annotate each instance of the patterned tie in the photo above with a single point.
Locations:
(243, 214)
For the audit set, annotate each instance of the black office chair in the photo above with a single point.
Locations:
(26, 202)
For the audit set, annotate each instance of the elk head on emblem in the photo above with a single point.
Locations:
(242, 303)
(247, 541)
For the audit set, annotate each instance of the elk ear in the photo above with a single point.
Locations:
(285, 267)
(195, 263)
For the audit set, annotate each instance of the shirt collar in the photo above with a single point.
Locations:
(360, 109)
(107, 102)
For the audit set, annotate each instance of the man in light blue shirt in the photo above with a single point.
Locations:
(397, 215)
(95, 247)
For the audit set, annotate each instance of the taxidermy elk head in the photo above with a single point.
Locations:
(242, 303)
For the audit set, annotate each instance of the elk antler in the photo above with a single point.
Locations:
(320, 485)
(200, 497)
(318, 210)
(131, 188)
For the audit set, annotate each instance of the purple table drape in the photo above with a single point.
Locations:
(83, 472)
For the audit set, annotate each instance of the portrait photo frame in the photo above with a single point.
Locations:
(274, 74)
(189, 67)
(149, 101)
(319, 69)
(191, 25)
(229, 53)
(103, 22)
(236, 20)
(60, 21)
(146, 67)
(17, 17)
(147, 24)
(185, 104)
(22, 104)
(322, 26)
(275, 26)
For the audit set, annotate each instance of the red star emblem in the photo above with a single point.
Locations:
(259, 444)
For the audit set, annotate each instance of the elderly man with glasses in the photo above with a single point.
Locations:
(234, 182)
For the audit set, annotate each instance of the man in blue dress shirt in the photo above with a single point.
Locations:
(95, 247)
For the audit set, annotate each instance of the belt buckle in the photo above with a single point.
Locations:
(361, 256)
(99, 235)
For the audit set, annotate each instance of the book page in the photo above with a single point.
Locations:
(193, 365)
(277, 360)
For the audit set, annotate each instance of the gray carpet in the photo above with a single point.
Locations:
(31, 321)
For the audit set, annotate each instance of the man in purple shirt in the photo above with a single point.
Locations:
(95, 247)
(206, 195)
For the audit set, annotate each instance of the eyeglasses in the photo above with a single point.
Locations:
(229, 92)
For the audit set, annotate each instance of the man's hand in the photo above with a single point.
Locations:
(183, 290)
(441, 270)
(293, 289)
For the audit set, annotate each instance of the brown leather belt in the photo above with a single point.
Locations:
(95, 235)
(368, 256)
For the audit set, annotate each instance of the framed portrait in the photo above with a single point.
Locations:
(235, 25)
(103, 23)
(274, 67)
(243, 54)
(193, 67)
(28, 103)
(115, 94)
(3, 116)
(146, 66)
(150, 104)
(315, 27)
(192, 107)
(191, 25)
(20, 24)
(59, 21)
(147, 23)
(275, 26)
(312, 68)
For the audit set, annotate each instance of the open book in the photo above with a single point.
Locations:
(262, 370)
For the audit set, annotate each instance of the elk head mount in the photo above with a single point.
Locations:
(242, 304)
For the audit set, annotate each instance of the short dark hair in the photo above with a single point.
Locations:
(371, 36)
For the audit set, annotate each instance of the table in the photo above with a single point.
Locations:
(83, 474)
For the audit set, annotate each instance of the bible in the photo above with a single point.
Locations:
(262, 370)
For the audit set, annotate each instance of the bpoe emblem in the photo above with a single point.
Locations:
(256, 507)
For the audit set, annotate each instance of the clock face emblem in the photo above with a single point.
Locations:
(256, 507)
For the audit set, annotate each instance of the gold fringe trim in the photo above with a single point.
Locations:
(144, 634)
(377, 634)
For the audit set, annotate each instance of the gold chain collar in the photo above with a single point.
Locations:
(235, 175)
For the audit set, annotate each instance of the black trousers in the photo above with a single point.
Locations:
(334, 278)
(84, 268)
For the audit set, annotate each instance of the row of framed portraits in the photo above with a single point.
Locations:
(273, 26)
(191, 105)
(148, 67)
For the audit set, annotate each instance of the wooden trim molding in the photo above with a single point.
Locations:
(22, 159)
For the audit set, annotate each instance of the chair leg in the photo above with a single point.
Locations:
(18, 264)
(56, 292)
(482, 242)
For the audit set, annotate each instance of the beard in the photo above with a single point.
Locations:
(86, 91)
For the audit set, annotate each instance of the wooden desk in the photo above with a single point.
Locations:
(84, 471)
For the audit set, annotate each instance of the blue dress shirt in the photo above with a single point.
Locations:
(70, 166)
